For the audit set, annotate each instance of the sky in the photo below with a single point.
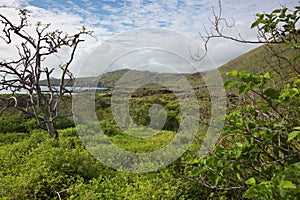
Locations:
(143, 34)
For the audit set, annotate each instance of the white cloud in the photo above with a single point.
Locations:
(63, 21)
(11, 3)
(109, 18)
(163, 50)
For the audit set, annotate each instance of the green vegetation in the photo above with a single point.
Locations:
(257, 155)
(34, 166)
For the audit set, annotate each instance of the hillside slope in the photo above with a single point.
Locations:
(259, 60)
(265, 59)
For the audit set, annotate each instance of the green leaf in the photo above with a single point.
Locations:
(216, 179)
(251, 181)
(254, 191)
(293, 92)
(195, 161)
(239, 176)
(255, 23)
(277, 11)
(267, 75)
(232, 73)
(229, 84)
(288, 185)
(292, 135)
(244, 74)
(196, 171)
(297, 57)
(251, 125)
(243, 89)
(297, 80)
(272, 93)
(297, 128)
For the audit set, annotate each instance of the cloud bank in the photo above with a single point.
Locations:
(110, 18)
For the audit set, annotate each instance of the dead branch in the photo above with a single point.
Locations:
(26, 71)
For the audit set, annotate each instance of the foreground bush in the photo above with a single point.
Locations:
(34, 166)
(258, 154)
(38, 167)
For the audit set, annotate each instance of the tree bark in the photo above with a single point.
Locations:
(52, 130)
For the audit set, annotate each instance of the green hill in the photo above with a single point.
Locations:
(259, 60)
(81, 82)
(265, 59)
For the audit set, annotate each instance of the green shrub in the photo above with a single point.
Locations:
(68, 132)
(172, 122)
(39, 167)
(9, 138)
(14, 123)
(32, 124)
(110, 128)
(159, 185)
(258, 154)
(63, 123)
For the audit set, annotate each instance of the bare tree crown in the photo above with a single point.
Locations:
(25, 72)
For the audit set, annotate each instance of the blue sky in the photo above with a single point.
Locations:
(117, 16)
(108, 18)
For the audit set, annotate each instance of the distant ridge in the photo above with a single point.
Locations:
(258, 60)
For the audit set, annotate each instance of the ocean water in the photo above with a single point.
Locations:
(45, 89)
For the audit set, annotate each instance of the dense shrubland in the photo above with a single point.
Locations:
(34, 166)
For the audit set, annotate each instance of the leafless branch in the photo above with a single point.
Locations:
(213, 187)
(26, 72)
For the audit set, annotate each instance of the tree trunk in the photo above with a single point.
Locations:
(52, 129)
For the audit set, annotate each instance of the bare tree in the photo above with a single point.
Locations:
(27, 70)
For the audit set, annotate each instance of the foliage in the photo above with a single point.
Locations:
(14, 123)
(280, 25)
(64, 122)
(258, 154)
(279, 32)
(23, 123)
(38, 167)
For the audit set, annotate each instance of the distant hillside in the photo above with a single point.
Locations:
(81, 82)
(110, 79)
(106, 80)
(259, 60)
(262, 60)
